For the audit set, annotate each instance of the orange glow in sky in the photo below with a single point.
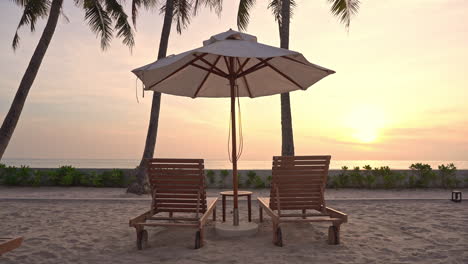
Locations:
(399, 92)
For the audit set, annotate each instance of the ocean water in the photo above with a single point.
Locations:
(217, 164)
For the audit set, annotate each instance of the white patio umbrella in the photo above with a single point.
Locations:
(231, 64)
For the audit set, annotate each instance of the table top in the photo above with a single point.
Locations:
(239, 193)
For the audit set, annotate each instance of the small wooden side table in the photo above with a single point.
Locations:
(239, 194)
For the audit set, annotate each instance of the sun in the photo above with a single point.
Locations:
(366, 135)
(364, 123)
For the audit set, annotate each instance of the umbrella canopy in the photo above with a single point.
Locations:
(231, 64)
(261, 69)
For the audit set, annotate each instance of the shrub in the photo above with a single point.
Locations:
(66, 180)
(268, 180)
(251, 176)
(258, 182)
(113, 178)
(24, 175)
(53, 177)
(448, 176)
(85, 180)
(335, 183)
(356, 178)
(369, 177)
(211, 176)
(95, 179)
(341, 180)
(240, 182)
(412, 182)
(224, 174)
(424, 174)
(2, 171)
(10, 176)
(389, 178)
(394, 179)
(67, 176)
(37, 178)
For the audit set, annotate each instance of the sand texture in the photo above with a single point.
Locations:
(399, 231)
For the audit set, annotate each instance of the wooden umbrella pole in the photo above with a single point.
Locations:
(234, 147)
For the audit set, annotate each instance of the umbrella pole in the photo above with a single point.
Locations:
(234, 152)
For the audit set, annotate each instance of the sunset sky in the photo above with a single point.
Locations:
(400, 90)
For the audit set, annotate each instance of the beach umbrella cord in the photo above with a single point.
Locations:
(136, 89)
(241, 137)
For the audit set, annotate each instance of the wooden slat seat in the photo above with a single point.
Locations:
(177, 186)
(298, 184)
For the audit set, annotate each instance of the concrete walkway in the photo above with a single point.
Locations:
(118, 194)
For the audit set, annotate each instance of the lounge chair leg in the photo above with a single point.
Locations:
(261, 214)
(142, 238)
(275, 229)
(277, 235)
(224, 208)
(171, 214)
(202, 237)
(198, 239)
(214, 213)
(303, 213)
(334, 234)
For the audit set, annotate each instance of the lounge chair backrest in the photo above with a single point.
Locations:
(300, 182)
(177, 185)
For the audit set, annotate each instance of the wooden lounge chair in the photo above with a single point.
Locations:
(8, 244)
(298, 184)
(177, 186)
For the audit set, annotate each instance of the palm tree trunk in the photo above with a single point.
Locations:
(138, 187)
(13, 115)
(287, 140)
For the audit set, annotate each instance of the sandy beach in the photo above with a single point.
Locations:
(96, 231)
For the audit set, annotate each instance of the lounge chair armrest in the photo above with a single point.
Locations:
(140, 219)
(264, 205)
(209, 209)
(337, 214)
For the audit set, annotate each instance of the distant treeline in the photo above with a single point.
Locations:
(419, 176)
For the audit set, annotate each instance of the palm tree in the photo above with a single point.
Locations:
(282, 11)
(179, 12)
(103, 17)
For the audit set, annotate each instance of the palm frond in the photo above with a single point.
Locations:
(243, 13)
(99, 21)
(275, 6)
(182, 10)
(344, 10)
(33, 10)
(65, 17)
(20, 2)
(216, 5)
(122, 26)
(137, 4)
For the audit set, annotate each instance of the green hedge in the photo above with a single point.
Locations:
(252, 180)
(420, 176)
(63, 176)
